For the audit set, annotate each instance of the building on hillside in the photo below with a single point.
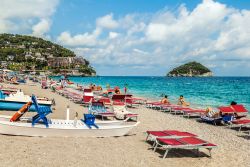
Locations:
(10, 57)
(56, 62)
(4, 64)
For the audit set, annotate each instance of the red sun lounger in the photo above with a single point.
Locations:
(226, 110)
(152, 135)
(239, 108)
(179, 109)
(193, 112)
(240, 123)
(183, 143)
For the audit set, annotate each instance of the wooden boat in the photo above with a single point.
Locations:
(64, 128)
(15, 101)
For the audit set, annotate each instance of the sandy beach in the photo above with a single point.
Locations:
(132, 150)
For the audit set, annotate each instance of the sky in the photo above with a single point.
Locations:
(140, 37)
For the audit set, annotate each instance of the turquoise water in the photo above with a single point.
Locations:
(213, 91)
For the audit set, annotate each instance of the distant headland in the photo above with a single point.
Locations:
(191, 69)
(28, 53)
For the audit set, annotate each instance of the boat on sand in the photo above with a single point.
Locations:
(64, 128)
(15, 101)
(40, 125)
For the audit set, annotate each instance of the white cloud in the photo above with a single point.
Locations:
(41, 28)
(113, 35)
(86, 39)
(107, 22)
(26, 16)
(211, 33)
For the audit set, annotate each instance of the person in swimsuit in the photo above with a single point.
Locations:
(165, 100)
(182, 101)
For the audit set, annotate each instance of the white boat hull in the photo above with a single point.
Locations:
(62, 128)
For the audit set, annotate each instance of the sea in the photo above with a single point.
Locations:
(199, 91)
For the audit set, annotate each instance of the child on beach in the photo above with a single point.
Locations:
(182, 101)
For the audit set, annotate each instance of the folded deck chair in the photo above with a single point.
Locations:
(183, 143)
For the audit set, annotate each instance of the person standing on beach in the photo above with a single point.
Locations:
(75, 119)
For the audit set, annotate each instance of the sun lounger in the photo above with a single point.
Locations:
(193, 112)
(183, 143)
(154, 105)
(131, 103)
(240, 110)
(87, 100)
(121, 112)
(105, 100)
(152, 135)
(214, 121)
(99, 109)
(240, 123)
(179, 109)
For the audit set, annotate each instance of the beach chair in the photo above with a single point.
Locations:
(179, 109)
(86, 90)
(240, 123)
(153, 135)
(98, 109)
(154, 105)
(89, 120)
(121, 112)
(42, 112)
(240, 111)
(193, 112)
(210, 120)
(87, 100)
(131, 103)
(183, 143)
(105, 100)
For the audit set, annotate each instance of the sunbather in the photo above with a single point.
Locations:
(212, 113)
(117, 91)
(182, 101)
(165, 100)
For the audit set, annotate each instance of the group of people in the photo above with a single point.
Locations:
(210, 112)
(215, 113)
(181, 101)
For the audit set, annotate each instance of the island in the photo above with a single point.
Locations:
(28, 53)
(191, 69)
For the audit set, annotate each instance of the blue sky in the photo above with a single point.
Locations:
(140, 37)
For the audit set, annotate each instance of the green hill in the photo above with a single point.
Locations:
(22, 52)
(190, 69)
